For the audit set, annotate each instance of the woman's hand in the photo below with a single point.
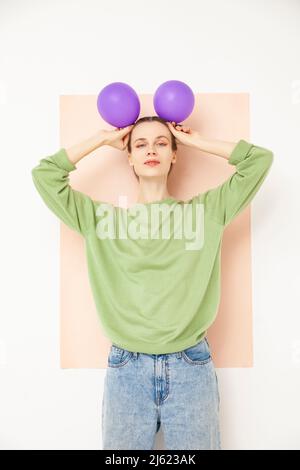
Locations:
(118, 138)
(183, 134)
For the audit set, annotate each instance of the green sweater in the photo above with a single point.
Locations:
(156, 293)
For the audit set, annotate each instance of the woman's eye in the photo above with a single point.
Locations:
(142, 145)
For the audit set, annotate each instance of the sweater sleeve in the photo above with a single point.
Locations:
(51, 179)
(227, 200)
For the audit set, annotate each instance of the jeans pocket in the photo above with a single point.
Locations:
(198, 354)
(118, 357)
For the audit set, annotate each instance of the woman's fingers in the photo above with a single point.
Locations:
(178, 127)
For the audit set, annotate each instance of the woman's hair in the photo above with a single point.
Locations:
(150, 119)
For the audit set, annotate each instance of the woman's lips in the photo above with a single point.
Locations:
(152, 163)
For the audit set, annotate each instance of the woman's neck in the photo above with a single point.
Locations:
(145, 198)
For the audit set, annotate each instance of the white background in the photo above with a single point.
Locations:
(48, 48)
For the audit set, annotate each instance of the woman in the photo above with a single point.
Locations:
(156, 295)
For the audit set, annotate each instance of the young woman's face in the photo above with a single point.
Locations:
(151, 140)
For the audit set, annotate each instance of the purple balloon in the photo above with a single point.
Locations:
(118, 104)
(174, 101)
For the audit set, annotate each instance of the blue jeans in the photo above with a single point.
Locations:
(176, 391)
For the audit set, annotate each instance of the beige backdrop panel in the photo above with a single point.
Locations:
(105, 175)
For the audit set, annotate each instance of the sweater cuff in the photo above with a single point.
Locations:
(62, 160)
(239, 152)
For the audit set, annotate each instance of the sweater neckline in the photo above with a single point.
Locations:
(167, 200)
(159, 201)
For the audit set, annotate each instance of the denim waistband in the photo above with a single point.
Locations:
(176, 354)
